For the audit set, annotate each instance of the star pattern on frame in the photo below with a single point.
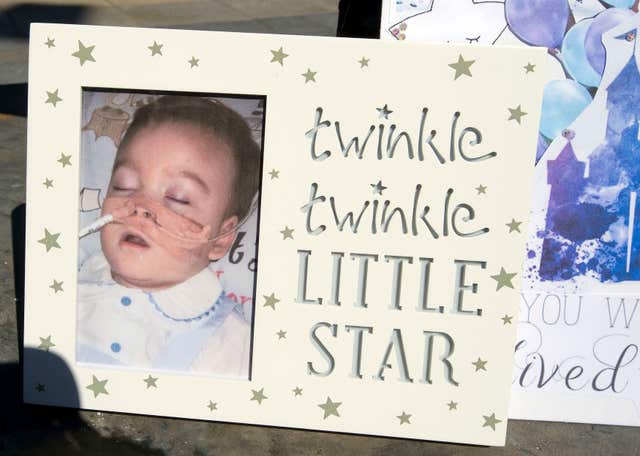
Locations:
(270, 301)
(50, 43)
(330, 408)
(404, 418)
(378, 188)
(452, 405)
(45, 343)
(287, 233)
(481, 189)
(514, 225)
(64, 160)
(50, 240)
(56, 286)
(491, 421)
(212, 406)
(281, 334)
(152, 382)
(258, 396)
(40, 387)
(309, 76)
(364, 62)
(384, 112)
(83, 54)
(278, 56)
(155, 48)
(529, 67)
(516, 114)
(193, 62)
(297, 391)
(97, 386)
(53, 98)
(504, 278)
(462, 67)
(480, 364)
(506, 320)
(274, 173)
(48, 183)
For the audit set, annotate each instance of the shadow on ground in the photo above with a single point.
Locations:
(16, 20)
(13, 99)
(39, 429)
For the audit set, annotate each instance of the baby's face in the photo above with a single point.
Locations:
(171, 172)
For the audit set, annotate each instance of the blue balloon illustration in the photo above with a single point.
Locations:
(562, 102)
(620, 3)
(574, 55)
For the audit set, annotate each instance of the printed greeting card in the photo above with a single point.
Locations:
(576, 355)
(265, 229)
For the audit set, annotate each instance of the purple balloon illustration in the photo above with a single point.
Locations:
(538, 22)
(604, 21)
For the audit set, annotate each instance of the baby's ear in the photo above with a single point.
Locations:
(228, 233)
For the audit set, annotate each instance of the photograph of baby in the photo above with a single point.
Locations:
(169, 189)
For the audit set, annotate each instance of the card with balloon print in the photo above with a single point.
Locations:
(582, 264)
(278, 239)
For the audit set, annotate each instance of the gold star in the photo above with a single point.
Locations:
(504, 279)
(404, 418)
(194, 62)
(462, 66)
(480, 365)
(514, 226)
(506, 320)
(516, 114)
(45, 343)
(281, 334)
(64, 160)
(84, 53)
(481, 189)
(270, 301)
(287, 233)
(529, 67)
(363, 62)
(330, 408)
(212, 406)
(50, 43)
(309, 75)
(48, 182)
(56, 286)
(491, 421)
(50, 240)
(150, 381)
(98, 386)
(279, 56)
(297, 391)
(53, 98)
(274, 173)
(452, 405)
(155, 48)
(40, 388)
(258, 396)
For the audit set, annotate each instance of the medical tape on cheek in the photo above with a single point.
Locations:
(165, 220)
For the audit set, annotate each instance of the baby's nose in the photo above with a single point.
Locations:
(146, 213)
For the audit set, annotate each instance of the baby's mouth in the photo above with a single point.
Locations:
(132, 239)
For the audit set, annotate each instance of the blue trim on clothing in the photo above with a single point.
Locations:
(196, 318)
